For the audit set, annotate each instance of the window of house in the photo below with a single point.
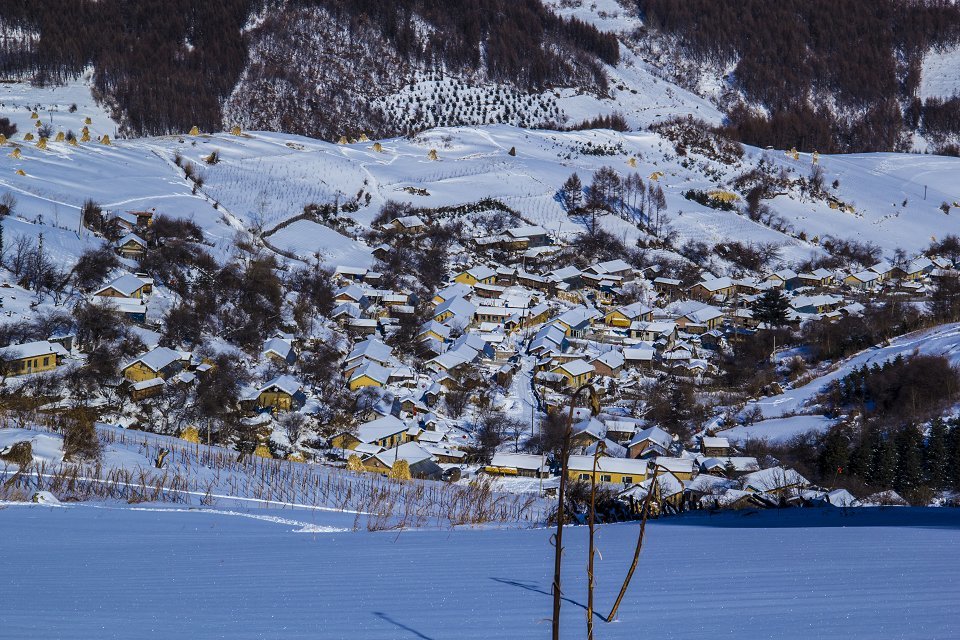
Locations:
(46, 361)
(605, 478)
(627, 479)
(584, 476)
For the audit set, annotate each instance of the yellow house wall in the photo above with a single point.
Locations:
(110, 292)
(615, 478)
(275, 399)
(138, 372)
(23, 366)
(363, 381)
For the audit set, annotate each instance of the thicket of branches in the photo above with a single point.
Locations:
(171, 64)
(866, 54)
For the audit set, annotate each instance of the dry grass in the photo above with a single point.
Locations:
(197, 474)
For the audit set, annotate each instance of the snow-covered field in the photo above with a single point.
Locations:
(93, 571)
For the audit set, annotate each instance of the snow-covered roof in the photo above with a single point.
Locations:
(409, 451)
(373, 370)
(32, 350)
(126, 285)
(277, 346)
(772, 479)
(459, 307)
(525, 461)
(607, 464)
(285, 383)
(675, 465)
(131, 237)
(575, 368)
(653, 434)
(380, 428)
(157, 359)
(715, 442)
(372, 349)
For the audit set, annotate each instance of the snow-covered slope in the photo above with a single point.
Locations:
(940, 341)
(940, 76)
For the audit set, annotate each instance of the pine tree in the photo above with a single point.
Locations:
(954, 454)
(937, 462)
(884, 468)
(771, 308)
(571, 194)
(834, 454)
(860, 461)
(909, 464)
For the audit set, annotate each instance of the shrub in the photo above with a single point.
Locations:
(20, 453)
(400, 470)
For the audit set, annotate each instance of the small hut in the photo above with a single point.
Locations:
(60, 137)
(105, 139)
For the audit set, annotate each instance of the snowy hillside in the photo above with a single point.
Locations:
(264, 179)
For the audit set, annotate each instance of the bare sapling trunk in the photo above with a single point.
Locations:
(636, 552)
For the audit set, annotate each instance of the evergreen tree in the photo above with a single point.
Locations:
(954, 453)
(834, 454)
(571, 194)
(860, 461)
(937, 460)
(771, 308)
(909, 460)
(884, 468)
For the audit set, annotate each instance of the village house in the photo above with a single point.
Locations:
(279, 350)
(701, 320)
(418, 459)
(667, 287)
(610, 363)
(716, 289)
(863, 280)
(524, 465)
(385, 432)
(408, 224)
(714, 446)
(623, 317)
(368, 374)
(650, 442)
(31, 357)
(615, 471)
(681, 468)
(478, 274)
(575, 372)
(131, 246)
(126, 286)
(161, 362)
(784, 279)
(817, 278)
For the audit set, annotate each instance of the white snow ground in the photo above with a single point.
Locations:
(940, 74)
(87, 571)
